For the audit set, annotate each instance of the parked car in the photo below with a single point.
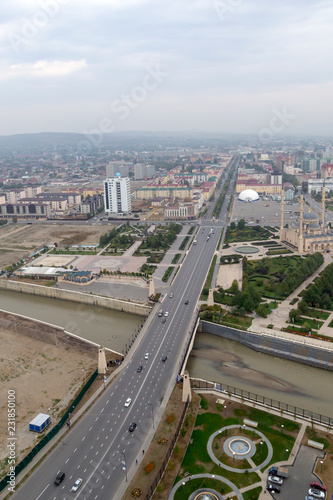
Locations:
(128, 402)
(317, 493)
(59, 479)
(132, 427)
(77, 484)
(273, 487)
(275, 479)
(318, 486)
(139, 368)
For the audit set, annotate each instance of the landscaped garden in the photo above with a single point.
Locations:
(277, 277)
(241, 232)
(270, 442)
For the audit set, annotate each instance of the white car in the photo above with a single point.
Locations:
(316, 493)
(147, 355)
(275, 479)
(166, 314)
(128, 402)
(77, 484)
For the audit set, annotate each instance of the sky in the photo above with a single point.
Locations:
(231, 66)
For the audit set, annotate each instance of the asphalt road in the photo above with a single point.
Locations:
(96, 446)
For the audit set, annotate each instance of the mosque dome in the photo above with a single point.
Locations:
(308, 215)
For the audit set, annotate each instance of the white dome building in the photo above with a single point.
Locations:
(248, 195)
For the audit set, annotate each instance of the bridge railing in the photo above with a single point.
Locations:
(244, 395)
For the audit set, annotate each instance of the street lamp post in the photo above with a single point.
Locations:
(261, 443)
(152, 413)
(282, 427)
(183, 488)
(233, 457)
(225, 411)
(321, 466)
(287, 452)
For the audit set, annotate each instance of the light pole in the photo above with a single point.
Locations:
(261, 443)
(287, 452)
(225, 411)
(124, 463)
(321, 466)
(282, 427)
(84, 371)
(233, 457)
(183, 488)
(152, 413)
(213, 477)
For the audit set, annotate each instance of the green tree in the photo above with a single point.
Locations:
(241, 224)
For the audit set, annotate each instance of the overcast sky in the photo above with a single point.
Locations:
(212, 65)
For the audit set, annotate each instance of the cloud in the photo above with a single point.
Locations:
(42, 69)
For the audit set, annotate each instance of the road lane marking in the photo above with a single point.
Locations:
(42, 491)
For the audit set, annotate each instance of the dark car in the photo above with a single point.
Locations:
(164, 358)
(60, 477)
(163, 320)
(139, 369)
(186, 302)
(132, 427)
(273, 487)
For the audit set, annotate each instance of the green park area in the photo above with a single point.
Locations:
(241, 232)
(277, 277)
(273, 440)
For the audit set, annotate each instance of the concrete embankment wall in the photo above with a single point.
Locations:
(45, 332)
(276, 346)
(86, 298)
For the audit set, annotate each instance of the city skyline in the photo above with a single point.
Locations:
(226, 66)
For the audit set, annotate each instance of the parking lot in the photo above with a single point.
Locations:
(266, 211)
(297, 485)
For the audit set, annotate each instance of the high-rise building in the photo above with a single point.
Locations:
(117, 195)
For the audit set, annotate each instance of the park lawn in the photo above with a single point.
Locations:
(314, 313)
(311, 323)
(241, 321)
(252, 494)
(247, 234)
(186, 490)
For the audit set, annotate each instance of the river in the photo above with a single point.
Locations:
(113, 329)
(227, 361)
(213, 358)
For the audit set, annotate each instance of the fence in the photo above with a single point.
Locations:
(31, 455)
(160, 473)
(263, 400)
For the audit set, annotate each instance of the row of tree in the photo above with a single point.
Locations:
(321, 292)
(305, 268)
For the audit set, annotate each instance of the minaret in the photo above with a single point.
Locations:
(300, 238)
(323, 206)
(282, 217)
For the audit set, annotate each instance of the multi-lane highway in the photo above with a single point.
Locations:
(94, 449)
(96, 446)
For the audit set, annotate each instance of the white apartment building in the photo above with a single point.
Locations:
(117, 195)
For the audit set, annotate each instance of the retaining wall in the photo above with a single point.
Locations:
(283, 348)
(57, 293)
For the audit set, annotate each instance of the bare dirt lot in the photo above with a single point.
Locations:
(45, 379)
(18, 241)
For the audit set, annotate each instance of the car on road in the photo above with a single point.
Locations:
(160, 313)
(77, 484)
(60, 477)
(128, 402)
(318, 486)
(317, 493)
(132, 427)
(163, 320)
(164, 358)
(166, 314)
(186, 302)
(273, 487)
(147, 355)
(275, 479)
(171, 295)
(139, 368)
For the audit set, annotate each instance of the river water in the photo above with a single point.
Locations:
(110, 328)
(226, 361)
(213, 358)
